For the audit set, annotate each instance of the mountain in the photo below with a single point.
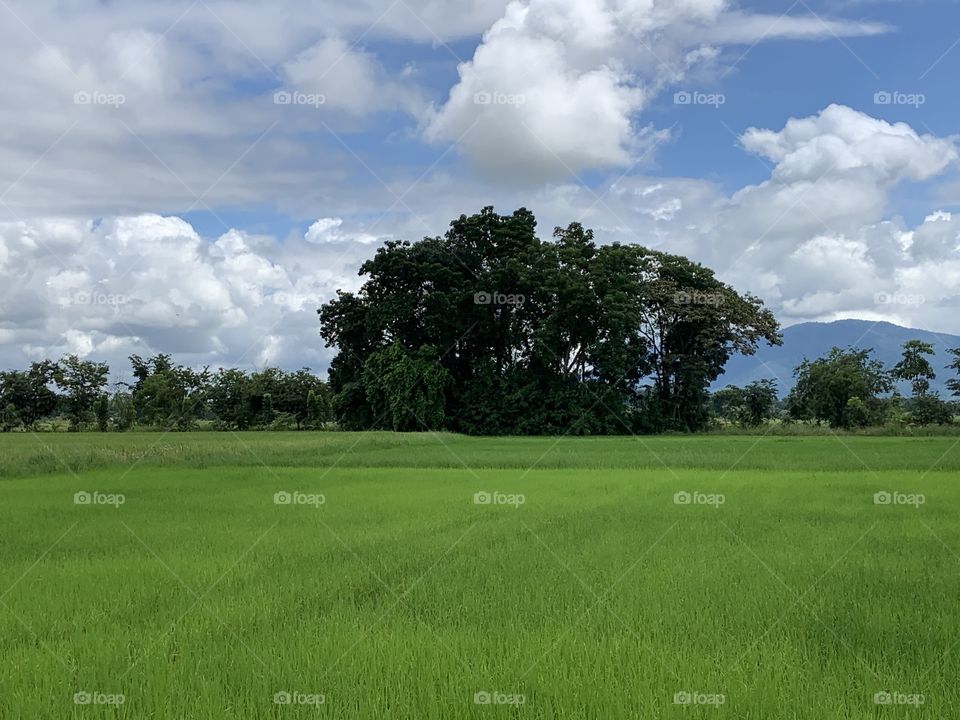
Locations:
(814, 339)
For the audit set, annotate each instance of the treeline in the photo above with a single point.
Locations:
(848, 389)
(490, 330)
(162, 395)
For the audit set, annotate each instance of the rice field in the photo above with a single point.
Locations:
(378, 575)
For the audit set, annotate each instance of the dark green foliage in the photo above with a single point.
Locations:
(102, 412)
(163, 395)
(750, 406)
(760, 402)
(953, 384)
(406, 391)
(29, 392)
(923, 408)
(855, 414)
(9, 419)
(166, 395)
(123, 411)
(841, 389)
(914, 367)
(844, 389)
(318, 408)
(727, 403)
(82, 383)
(268, 398)
(929, 410)
(289, 395)
(229, 394)
(490, 330)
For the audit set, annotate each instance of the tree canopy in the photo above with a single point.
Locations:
(163, 395)
(914, 367)
(841, 389)
(491, 330)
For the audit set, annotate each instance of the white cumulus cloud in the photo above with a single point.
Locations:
(559, 86)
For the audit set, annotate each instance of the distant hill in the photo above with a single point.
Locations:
(814, 339)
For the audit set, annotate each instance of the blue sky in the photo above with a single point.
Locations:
(765, 84)
(202, 212)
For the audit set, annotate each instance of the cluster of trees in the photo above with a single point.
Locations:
(71, 387)
(849, 389)
(750, 406)
(162, 395)
(491, 330)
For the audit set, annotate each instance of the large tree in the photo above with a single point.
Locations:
(165, 394)
(752, 405)
(841, 389)
(82, 382)
(494, 330)
(229, 394)
(293, 396)
(914, 366)
(953, 384)
(693, 323)
(925, 408)
(406, 391)
(759, 401)
(29, 393)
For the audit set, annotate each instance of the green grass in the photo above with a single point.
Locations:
(32, 454)
(399, 597)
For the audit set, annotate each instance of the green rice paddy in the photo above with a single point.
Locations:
(338, 575)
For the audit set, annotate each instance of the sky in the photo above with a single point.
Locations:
(197, 177)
